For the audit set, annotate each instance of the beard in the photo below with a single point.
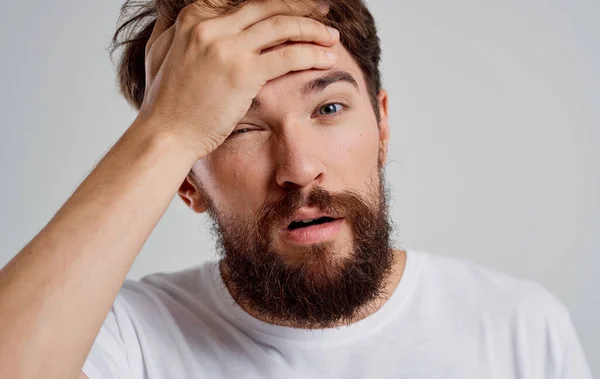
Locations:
(314, 286)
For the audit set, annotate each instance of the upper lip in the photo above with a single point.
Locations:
(308, 214)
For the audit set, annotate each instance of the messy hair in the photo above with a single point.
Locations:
(358, 35)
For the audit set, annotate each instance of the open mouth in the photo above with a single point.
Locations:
(305, 223)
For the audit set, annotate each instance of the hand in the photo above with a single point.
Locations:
(203, 72)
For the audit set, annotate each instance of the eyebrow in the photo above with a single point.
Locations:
(317, 84)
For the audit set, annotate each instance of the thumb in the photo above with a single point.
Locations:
(157, 48)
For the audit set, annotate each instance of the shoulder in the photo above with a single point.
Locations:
(484, 288)
(161, 290)
(517, 315)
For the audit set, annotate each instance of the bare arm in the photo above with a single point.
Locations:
(55, 294)
(202, 74)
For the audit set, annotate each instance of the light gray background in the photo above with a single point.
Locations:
(495, 134)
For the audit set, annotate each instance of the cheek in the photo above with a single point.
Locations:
(234, 182)
(356, 153)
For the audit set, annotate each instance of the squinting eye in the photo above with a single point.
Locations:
(241, 130)
(330, 108)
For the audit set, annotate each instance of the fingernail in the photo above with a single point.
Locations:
(331, 55)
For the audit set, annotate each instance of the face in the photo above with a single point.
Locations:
(296, 195)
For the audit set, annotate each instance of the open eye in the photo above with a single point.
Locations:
(331, 108)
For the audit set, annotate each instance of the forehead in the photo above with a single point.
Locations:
(292, 84)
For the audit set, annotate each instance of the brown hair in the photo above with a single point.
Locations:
(358, 35)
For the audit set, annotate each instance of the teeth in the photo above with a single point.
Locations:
(307, 221)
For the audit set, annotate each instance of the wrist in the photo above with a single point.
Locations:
(161, 137)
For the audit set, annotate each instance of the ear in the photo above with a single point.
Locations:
(384, 127)
(192, 196)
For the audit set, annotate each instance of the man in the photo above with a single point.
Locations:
(277, 127)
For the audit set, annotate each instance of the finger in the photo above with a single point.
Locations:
(254, 12)
(295, 57)
(279, 29)
(195, 13)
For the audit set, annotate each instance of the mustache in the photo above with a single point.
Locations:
(342, 204)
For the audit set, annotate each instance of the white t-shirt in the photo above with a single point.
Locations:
(448, 318)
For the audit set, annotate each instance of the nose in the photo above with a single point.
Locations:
(298, 163)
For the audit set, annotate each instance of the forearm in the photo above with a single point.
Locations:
(55, 294)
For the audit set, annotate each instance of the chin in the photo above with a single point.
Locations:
(323, 260)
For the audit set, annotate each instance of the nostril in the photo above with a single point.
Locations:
(290, 185)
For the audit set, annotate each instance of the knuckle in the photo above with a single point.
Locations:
(201, 32)
(277, 23)
(311, 23)
(314, 27)
(295, 53)
(187, 15)
(322, 53)
(286, 53)
(318, 55)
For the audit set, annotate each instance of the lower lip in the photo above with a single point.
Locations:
(313, 233)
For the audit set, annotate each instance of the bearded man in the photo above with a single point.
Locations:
(270, 117)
